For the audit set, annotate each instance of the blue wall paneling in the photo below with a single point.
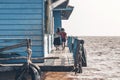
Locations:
(23, 19)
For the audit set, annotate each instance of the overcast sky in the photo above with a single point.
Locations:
(94, 18)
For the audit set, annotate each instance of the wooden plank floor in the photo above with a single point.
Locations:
(65, 58)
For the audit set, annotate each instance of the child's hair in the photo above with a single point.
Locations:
(58, 30)
(62, 29)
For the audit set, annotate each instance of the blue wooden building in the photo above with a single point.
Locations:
(33, 19)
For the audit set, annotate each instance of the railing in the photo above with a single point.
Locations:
(28, 68)
(76, 47)
(8, 49)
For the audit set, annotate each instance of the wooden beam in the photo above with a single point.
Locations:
(57, 3)
(17, 58)
(57, 68)
(13, 46)
(43, 68)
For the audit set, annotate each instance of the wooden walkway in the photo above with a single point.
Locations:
(65, 63)
(65, 58)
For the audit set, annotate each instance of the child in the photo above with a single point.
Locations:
(63, 36)
(57, 39)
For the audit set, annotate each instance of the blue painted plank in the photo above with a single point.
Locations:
(25, 33)
(57, 20)
(34, 43)
(3, 40)
(20, 21)
(29, 16)
(21, 27)
(27, 1)
(21, 11)
(12, 61)
(23, 49)
(20, 6)
(20, 30)
(18, 54)
(34, 54)
(34, 37)
(75, 48)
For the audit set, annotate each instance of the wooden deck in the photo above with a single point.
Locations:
(64, 63)
(65, 58)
